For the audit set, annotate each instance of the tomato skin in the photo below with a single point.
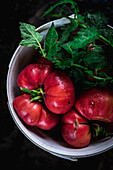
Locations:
(33, 114)
(75, 134)
(47, 120)
(33, 75)
(59, 92)
(28, 111)
(96, 104)
(43, 60)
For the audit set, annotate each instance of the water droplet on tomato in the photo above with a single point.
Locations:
(92, 104)
(98, 94)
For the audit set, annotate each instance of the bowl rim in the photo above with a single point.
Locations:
(63, 154)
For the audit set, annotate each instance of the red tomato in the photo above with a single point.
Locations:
(43, 60)
(96, 104)
(33, 114)
(33, 76)
(73, 131)
(28, 111)
(47, 120)
(59, 92)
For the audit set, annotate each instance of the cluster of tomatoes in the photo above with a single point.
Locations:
(49, 97)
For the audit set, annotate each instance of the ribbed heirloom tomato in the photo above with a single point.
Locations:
(28, 111)
(59, 92)
(33, 114)
(96, 104)
(33, 76)
(58, 95)
(58, 88)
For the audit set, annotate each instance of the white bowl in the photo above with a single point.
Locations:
(58, 147)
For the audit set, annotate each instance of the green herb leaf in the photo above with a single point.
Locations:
(51, 46)
(108, 33)
(96, 20)
(67, 29)
(94, 60)
(73, 47)
(73, 4)
(99, 22)
(84, 37)
(31, 38)
(67, 47)
(63, 64)
(80, 18)
(77, 75)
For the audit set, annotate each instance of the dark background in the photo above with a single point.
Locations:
(16, 151)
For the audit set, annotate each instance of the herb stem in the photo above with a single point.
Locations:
(102, 78)
(35, 94)
(44, 55)
(77, 65)
(81, 24)
(105, 40)
(41, 90)
(25, 90)
(38, 43)
(35, 98)
(94, 76)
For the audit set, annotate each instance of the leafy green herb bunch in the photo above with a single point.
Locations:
(82, 48)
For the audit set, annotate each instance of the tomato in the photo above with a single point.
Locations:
(28, 111)
(59, 92)
(33, 114)
(47, 120)
(74, 131)
(33, 76)
(96, 104)
(43, 60)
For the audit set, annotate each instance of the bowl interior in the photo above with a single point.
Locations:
(44, 140)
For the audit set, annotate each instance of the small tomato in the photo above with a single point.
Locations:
(74, 130)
